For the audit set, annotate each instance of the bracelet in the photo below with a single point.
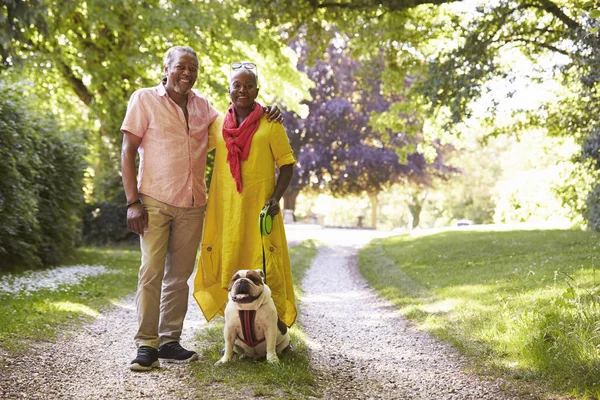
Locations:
(138, 201)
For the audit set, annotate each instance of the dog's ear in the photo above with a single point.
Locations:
(234, 278)
(261, 273)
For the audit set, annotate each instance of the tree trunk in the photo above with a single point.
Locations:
(374, 205)
(415, 206)
(289, 200)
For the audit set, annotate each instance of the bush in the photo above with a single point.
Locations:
(591, 212)
(105, 223)
(41, 187)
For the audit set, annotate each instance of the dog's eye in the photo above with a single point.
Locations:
(257, 280)
(235, 278)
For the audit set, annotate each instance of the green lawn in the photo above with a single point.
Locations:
(522, 303)
(38, 315)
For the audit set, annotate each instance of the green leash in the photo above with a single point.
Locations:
(265, 224)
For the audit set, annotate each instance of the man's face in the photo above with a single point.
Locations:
(182, 73)
(242, 89)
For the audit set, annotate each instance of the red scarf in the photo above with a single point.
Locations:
(239, 139)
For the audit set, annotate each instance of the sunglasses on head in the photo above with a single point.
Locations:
(238, 65)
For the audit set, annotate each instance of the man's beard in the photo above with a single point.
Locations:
(179, 90)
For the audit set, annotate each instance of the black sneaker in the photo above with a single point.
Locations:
(174, 353)
(147, 358)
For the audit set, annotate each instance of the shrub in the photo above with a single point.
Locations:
(60, 196)
(591, 212)
(105, 223)
(40, 189)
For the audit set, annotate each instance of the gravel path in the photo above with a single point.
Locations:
(366, 350)
(93, 363)
(362, 347)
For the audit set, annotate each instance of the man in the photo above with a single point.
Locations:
(168, 126)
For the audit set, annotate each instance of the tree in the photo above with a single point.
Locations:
(104, 50)
(453, 56)
(336, 145)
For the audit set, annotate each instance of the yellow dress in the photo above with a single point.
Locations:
(231, 239)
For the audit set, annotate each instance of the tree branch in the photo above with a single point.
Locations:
(390, 5)
(77, 84)
(539, 44)
(555, 10)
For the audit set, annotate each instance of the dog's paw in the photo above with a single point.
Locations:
(273, 360)
(222, 361)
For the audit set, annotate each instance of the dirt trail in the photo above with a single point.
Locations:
(366, 350)
(361, 346)
(93, 363)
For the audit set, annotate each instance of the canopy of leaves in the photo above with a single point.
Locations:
(336, 145)
(450, 53)
(103, 50)
(453, 52)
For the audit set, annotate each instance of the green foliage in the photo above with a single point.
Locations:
(59, 193)
(590, 165)
(19, 231)
(524, 303)
(591, 212)
(99, 52)
(443, 56)
(104, 223)
(40, 190)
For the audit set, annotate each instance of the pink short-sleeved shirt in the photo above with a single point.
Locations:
(172, 159)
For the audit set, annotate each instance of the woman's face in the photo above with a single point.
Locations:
(243, 89)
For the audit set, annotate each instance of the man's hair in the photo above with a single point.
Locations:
(170, 54)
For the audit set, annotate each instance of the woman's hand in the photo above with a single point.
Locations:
(273, 204)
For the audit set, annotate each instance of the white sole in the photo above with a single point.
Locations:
(174, 361)
(138, 367)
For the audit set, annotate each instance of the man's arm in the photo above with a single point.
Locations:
(137, 217)
(273, 114)
(283, 181)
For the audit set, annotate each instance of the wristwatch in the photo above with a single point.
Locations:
(138, 201)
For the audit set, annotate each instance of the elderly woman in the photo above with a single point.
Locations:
(248, 150)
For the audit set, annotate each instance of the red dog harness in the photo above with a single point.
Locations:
(247, 321)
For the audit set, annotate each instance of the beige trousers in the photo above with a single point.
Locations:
(169, 248)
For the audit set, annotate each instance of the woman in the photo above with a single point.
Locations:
(243, 181)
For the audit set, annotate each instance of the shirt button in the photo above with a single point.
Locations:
(209, 249)
(272, 248)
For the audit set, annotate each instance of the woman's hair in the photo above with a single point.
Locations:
(170, 55)
(249, 71)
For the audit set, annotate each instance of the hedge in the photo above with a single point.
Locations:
(41, 186)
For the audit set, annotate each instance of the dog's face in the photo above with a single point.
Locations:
(246, 285)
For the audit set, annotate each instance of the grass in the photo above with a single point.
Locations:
(39, 315)
(293, 378)
(524, 304)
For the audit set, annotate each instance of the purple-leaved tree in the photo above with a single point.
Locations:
(337, 149)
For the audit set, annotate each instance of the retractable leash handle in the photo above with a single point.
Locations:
(265, 221)
(265, 224)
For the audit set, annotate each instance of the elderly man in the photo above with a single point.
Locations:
(168, 126)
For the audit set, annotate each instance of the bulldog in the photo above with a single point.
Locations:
(252, 327)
